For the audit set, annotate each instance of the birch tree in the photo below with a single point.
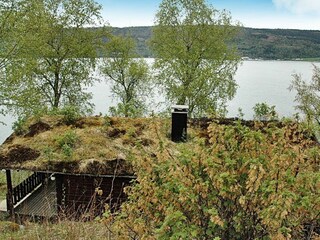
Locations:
(195, 64)
(57, 55)
(128, 75)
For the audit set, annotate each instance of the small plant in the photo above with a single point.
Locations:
(264, 112)
(240, 113)
(48, 153)
(70, 114)
(67, 150)
(19, 127)
(107, 121)
(135, 109)
(67, 143)
(70, 138)
(132, 132)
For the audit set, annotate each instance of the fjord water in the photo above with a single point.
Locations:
(258, 81)
(268, 81)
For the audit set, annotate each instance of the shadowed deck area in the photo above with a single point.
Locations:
(41, 203)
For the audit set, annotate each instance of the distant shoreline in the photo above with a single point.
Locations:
(287, 60)
(254, 43)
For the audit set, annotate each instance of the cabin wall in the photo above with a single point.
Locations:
(78, 195)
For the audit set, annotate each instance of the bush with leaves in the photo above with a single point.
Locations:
(136, 109)
(19, 126)
(239, 183)
(67, 142)
(308, 95)
(70, 114)
(264, 112)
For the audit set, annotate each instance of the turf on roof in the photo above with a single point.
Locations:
(106, 146)
(94, 145)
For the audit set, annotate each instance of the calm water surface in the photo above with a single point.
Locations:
(268, 81)
(259, 81)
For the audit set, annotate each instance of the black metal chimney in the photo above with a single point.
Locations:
(179, 123)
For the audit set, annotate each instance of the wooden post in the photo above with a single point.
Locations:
(10, 207)
(59, 191)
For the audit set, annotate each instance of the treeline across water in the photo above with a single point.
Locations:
(271, 44)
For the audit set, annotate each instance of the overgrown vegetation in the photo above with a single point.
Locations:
(232, 180)
(19, 126)
(239, 182)
(67, 142)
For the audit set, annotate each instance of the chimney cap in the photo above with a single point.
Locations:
(180, 108)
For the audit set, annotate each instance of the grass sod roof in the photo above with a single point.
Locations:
(91, 145)
(107, 146)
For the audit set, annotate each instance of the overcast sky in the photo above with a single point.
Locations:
(294, 14)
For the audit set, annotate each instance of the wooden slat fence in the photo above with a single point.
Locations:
(27, 186)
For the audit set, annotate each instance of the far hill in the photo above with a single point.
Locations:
(253, 43)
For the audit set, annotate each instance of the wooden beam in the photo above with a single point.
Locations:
(10, 207)
(59, 192)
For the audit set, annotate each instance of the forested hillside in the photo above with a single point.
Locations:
(141, 35)
(252, 43)
(278, 43)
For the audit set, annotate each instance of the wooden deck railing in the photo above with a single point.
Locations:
(27, 186)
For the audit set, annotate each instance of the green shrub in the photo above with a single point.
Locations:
(107, 121)
(135, 109)
(19, 127)
(238, 184)
(48, 152)
(67, 143)
(70, 114)
(70, 139)
(67, 150)
(264, 112)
